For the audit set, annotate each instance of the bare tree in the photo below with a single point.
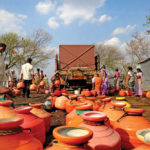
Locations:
(109, 56)
(138, 48)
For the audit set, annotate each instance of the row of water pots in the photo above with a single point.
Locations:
(24, 127)
(114, 126)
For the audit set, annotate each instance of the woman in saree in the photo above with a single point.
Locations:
(138, 83)
(105, 83)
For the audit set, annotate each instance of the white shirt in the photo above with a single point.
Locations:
(93, 80)
(27, 71)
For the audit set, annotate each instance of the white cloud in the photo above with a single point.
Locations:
(122, 30)
(84, 10)
(113, 42)
(10, 22)
(45, 7)
(52, 23)
(104, 18)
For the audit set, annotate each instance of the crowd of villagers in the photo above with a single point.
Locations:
(132, 82)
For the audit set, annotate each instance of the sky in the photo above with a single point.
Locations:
(112, 22)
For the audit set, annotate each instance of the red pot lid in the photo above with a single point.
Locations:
(10, 123)
(118, 104)
(5, 103)
(72, 135)
(94, 116)
(23, 110)
(108, 99)
(137, 111)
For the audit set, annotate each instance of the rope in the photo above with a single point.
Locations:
(11, 131)
(55, 142)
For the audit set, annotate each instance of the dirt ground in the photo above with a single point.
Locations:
(58, 116)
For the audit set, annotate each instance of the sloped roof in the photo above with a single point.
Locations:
(76, 56)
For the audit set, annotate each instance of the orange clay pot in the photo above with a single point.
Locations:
(101, 96)
(38, 111)
(128, 125)
(60, 102)
(5, 110)
(87, 93)
(20, 85)
(122, 93)
(15, 138)
(10, 83)
(143, 147)
(32, 122)
(106, 103)
(33, 87)
(57, 83)
(70, 138)
(42, 83)
(93, 92)
(74, 118)
(148, 94)
(104, 137)
(70, 105)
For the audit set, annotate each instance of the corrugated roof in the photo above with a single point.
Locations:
(76, 56)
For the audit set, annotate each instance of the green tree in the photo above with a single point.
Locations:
(35, 46)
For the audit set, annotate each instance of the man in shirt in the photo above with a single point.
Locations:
(2, 65)
(27, 75)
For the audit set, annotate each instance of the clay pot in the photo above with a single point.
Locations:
(71, 138)
(128, 124)
(20, 85)
(5, 110)
(33, 87)
(57, 92)
(87, 93)
(148, 94)
(74, 118)
(4, 90)
(60, 102)
(38, 111)
(57, 83)
(104, 137)
(15, 138)
(42, 83)
(32, 122)
(122, 93)
(93, 92)
(63, 91)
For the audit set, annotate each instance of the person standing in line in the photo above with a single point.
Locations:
(105, 83)
(41, 75)
(37, 77)
(98, 84)
(138, 83)
(93, 81)
(46, 81)
(27, 76)
(116, 80)
(130, 81)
